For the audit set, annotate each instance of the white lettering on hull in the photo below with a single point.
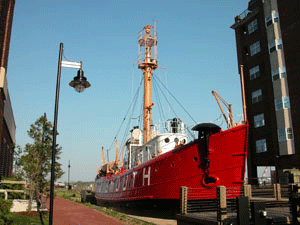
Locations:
(125, 182)
(146, 176)
(133, 178)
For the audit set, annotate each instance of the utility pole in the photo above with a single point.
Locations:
(69, 186)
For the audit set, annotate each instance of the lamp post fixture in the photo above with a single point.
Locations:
(79, 83)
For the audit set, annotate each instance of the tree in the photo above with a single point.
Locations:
(17, 169)
(36, 161)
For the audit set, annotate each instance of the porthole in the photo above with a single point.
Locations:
(184, 141)
(195, 159)
(176, 140)
(172, 165)
(167, 140)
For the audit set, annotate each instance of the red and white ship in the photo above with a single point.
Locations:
(158, 164)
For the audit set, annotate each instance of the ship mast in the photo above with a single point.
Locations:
(147, 65)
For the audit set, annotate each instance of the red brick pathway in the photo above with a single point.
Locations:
(67, 212)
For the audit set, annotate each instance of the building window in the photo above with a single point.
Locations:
(261, 145)
(275, 45)
(256, 96)
(286, 102)
(255, 48)
(279, 73)
(254, 72)
(259, 120)
(282, 103)
(246, 51)
(253, 26)
(278, 104)
(285, 134)
(289, 132)
(271, 19)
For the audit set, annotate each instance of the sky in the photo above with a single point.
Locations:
(195, 44)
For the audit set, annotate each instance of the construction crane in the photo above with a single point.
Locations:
(228, 120)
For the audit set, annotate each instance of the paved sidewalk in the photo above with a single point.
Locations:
(67, 212)
(156, 221)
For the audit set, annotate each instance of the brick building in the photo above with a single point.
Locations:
(268, 47)
(7, 123)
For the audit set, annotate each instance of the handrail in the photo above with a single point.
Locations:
(12, 182)
(8, 190)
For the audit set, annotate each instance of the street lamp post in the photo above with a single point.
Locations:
(79, 83)
(69, 186)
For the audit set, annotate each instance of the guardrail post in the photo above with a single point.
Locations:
(293, 199)
(248, 191)
(277, 191)
(242, 205)
(183, 200)
(5, 195)
(222, 204)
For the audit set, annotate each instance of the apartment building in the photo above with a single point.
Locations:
(7, 123)
(268, 46)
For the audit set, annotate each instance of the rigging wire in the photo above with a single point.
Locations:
(169, 104)
(160, 108)
(176, 100)
(154, 79)
(132, 102)
(131, 116)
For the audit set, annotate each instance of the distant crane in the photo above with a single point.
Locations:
(228, 120)
(265, 172)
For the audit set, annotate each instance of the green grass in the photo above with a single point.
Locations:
(26, 220)
(68, 194)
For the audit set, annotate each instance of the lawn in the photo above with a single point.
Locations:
(26, 218)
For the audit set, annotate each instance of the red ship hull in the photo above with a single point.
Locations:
(161, 178)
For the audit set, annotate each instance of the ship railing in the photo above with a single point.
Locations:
(165, 127)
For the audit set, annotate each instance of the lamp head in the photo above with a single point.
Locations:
(79, 82)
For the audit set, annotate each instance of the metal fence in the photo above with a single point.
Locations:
(201, 200)
(220, 202)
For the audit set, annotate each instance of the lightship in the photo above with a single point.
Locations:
(157, 164)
